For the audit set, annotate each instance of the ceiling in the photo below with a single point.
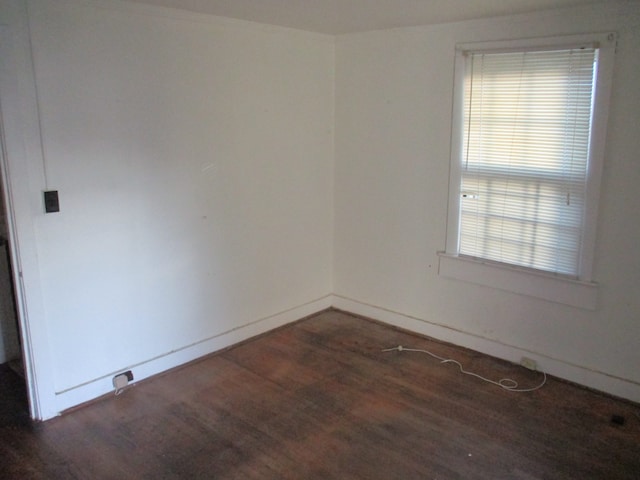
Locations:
(349, 16)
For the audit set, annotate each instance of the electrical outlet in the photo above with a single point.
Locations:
(528, 363)
(122, 380)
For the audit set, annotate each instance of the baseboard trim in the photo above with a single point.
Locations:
(98, 387)
(600, 381)
(603, 382)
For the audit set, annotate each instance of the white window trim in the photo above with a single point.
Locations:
(578, 293)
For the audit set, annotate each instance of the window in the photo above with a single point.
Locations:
(528, 142)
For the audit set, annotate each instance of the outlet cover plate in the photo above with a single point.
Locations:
(528, 363)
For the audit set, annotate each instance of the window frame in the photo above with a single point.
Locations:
(580, 292)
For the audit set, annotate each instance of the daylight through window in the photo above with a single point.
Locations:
(526, 125)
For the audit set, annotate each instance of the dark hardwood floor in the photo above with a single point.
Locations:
(319, 400)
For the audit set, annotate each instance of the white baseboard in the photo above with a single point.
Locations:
(601, 381)
(95, 388)
(581, 375)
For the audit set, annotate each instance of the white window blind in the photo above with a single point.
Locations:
(526, 128)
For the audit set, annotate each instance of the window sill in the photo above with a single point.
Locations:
(548, 287)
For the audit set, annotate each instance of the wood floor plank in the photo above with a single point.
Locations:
(318, 399)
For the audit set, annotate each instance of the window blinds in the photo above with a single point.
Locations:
(525, 151)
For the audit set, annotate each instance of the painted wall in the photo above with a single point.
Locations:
(393, 126)
(194, 161)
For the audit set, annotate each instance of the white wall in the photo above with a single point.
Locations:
(194, 160)
(393, 128)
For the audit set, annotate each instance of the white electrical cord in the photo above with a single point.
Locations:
(504, 383)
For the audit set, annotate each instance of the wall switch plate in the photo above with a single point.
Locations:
(51, 202)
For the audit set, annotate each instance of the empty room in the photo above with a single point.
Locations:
(313, 239)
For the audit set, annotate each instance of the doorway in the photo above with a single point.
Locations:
(10, 348)
(18, 136)
(13, 390)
